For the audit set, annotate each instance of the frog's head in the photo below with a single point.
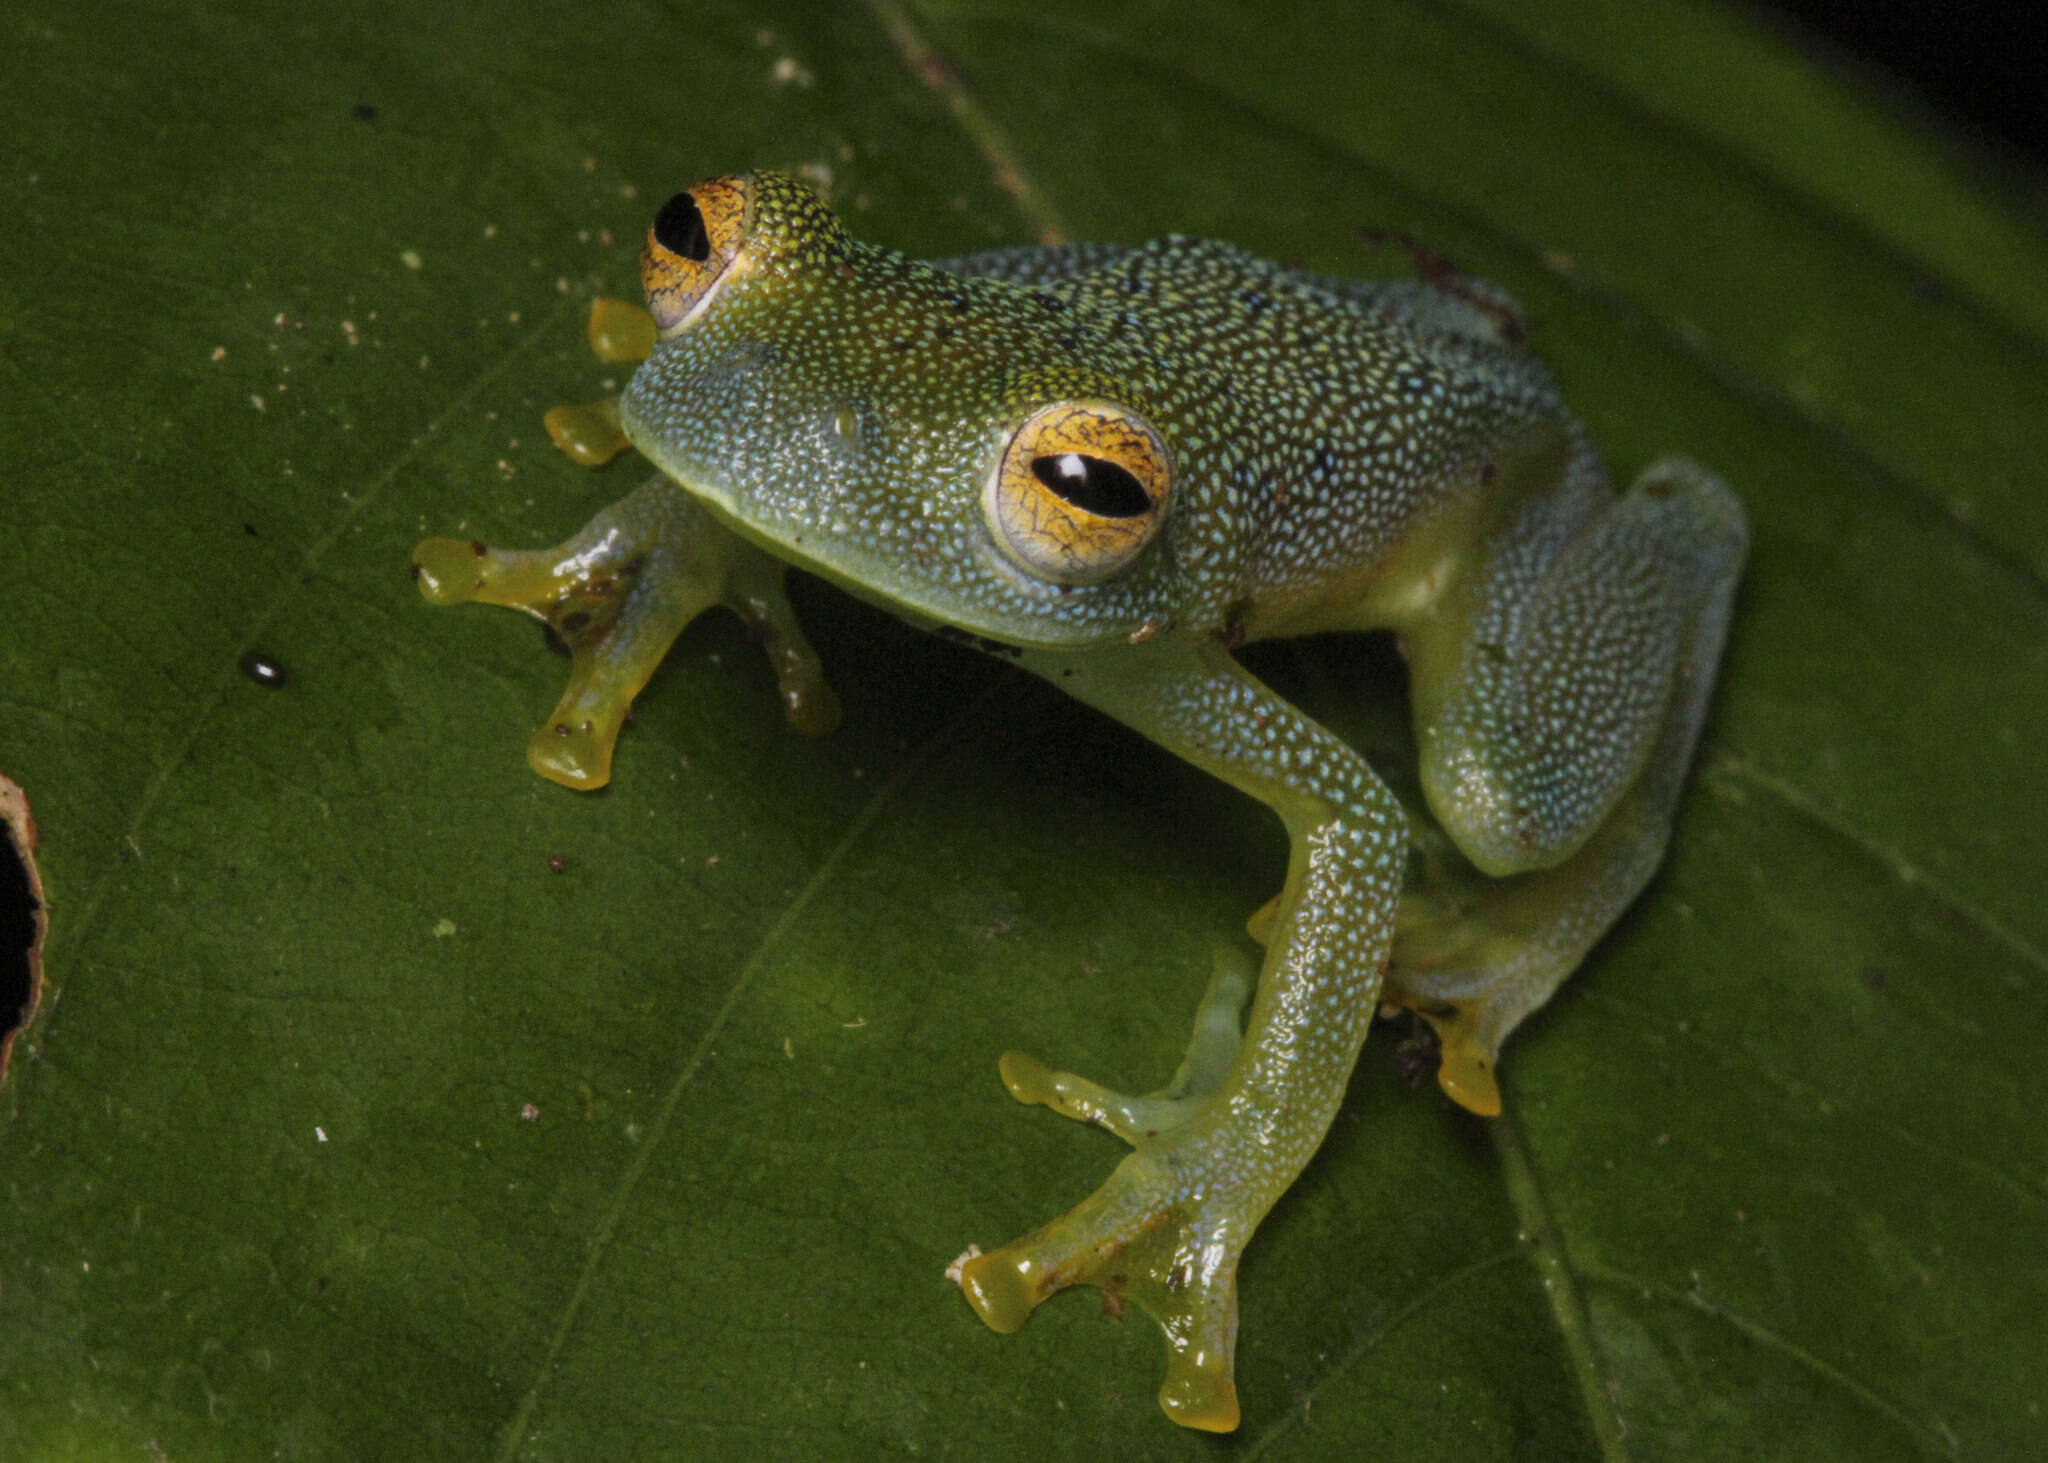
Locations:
(963, 450)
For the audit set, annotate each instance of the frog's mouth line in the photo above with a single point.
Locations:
(958, 619)
(903, 601)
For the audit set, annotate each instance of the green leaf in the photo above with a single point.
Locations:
(349, 1128)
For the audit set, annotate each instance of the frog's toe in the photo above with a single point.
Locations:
(1466, 1070)
(1167, 1228)
(588, 434)
(450, 571)
(1138, 1119)
(1133, 1119)
(1471, 1018)
(1154, 1235)
(620, 331)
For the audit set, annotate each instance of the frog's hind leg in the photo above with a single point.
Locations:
(1602, 688)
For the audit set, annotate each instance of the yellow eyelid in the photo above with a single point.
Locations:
(1049, 534)
(678, 287)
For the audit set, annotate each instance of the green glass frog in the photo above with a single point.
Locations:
(1114, 464)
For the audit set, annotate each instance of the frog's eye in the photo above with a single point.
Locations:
(690, 247)
(1081, 488)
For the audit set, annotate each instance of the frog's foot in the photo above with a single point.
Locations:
(1167, 1228)
(618, 594)
(1476, 955)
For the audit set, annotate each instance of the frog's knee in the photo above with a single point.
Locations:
(1705, 531)
(1504, 821)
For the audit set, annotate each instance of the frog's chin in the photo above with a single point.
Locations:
(882, 582)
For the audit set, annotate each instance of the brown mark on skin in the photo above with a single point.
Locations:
(1446, 276)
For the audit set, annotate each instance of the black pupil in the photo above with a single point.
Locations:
(1094, 484)
(679, 228)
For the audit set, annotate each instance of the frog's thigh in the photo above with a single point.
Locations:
(1562, 681)
(1476, 955)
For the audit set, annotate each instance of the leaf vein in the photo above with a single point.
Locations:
(1430, 1295)
(939, 74)
(1560, 1284)
(1935, 1432)
(1736, 768)
(663, 1122)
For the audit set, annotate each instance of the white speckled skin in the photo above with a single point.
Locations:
(1342, 455)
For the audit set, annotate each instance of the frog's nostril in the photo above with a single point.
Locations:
(679, 228)
(845, 423)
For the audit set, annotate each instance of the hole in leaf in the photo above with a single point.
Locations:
(22, 921)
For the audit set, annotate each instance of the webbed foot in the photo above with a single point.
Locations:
(618, 594)
(1168, 1227)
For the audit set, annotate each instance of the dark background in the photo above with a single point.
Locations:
(1970, 67)
(1976, 65)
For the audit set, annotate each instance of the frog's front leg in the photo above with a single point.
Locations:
(618, 594)
(1214, 1151)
